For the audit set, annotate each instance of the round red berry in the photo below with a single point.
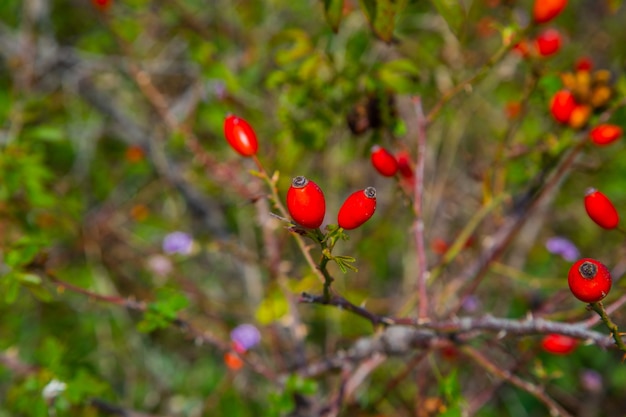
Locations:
(605, 134)
(589, 280)
(583, 63)
(548, 42)
(559, 344)
(562, 105)
(384, 162)
(546, 10)
(600, 209)
(306, 203)
(240, 135)
(357, 209)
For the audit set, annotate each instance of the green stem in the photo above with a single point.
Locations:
(599, 308)
(326, 257)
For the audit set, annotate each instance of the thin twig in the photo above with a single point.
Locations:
(418, 198)
(535, 390)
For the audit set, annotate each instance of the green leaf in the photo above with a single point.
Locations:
(163, 311)
(400, 75)
(453, 12)
(333, 10)
(84, 386)
(381, 15)
(29, 279)
(10, 287)
(345, 263)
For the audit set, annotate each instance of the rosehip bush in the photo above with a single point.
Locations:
(332, 208)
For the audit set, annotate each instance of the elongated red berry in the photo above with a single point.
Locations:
(589, 280)
(404, 165)
(357, 209)
(240, 135)
(548, 42)
(306, 203)
(546, 10)
(384, 162)
(605, 134)
(558, 344)
(600, 209)
(562, 105)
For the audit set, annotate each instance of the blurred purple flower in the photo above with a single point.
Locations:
(245, 336)
(177, 242)
(591, 380)
(564, 247)
(471, 304)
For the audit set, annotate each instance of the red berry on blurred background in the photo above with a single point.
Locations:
(240, 135)
(384, 162)
(546, 10)
(233, 361)
(306, 203)
(102, 4)
(357, 209)
(558, 344)
(605, 134)
(548, 42)
(600, 209)
(512, 109)
(589, 280)
(583, 64)
(562, 105)
(404, 165)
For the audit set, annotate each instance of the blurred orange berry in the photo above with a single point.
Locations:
(139, 212)
(134, 154)
(512, 109)
(580, 116)
(233, 361)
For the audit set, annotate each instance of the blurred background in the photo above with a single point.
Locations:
(133, 239)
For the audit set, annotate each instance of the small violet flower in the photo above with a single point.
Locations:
(564, 247)
(177, 242)
(591, 380)
(244, 337)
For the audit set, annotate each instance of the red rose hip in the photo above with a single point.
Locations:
(546, 10)
(558, 344)
(384, 162)
(357, 209)
(605, 134)
(240, 136)
(562, 105)
(589, 280)
(548, 42)
(306, 203)
(600, 209)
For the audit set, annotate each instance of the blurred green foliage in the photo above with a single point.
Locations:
(93, 176)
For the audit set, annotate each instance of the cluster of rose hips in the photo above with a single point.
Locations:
(549, 41)
(584, 92)
(307, 206)
(305, 200)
